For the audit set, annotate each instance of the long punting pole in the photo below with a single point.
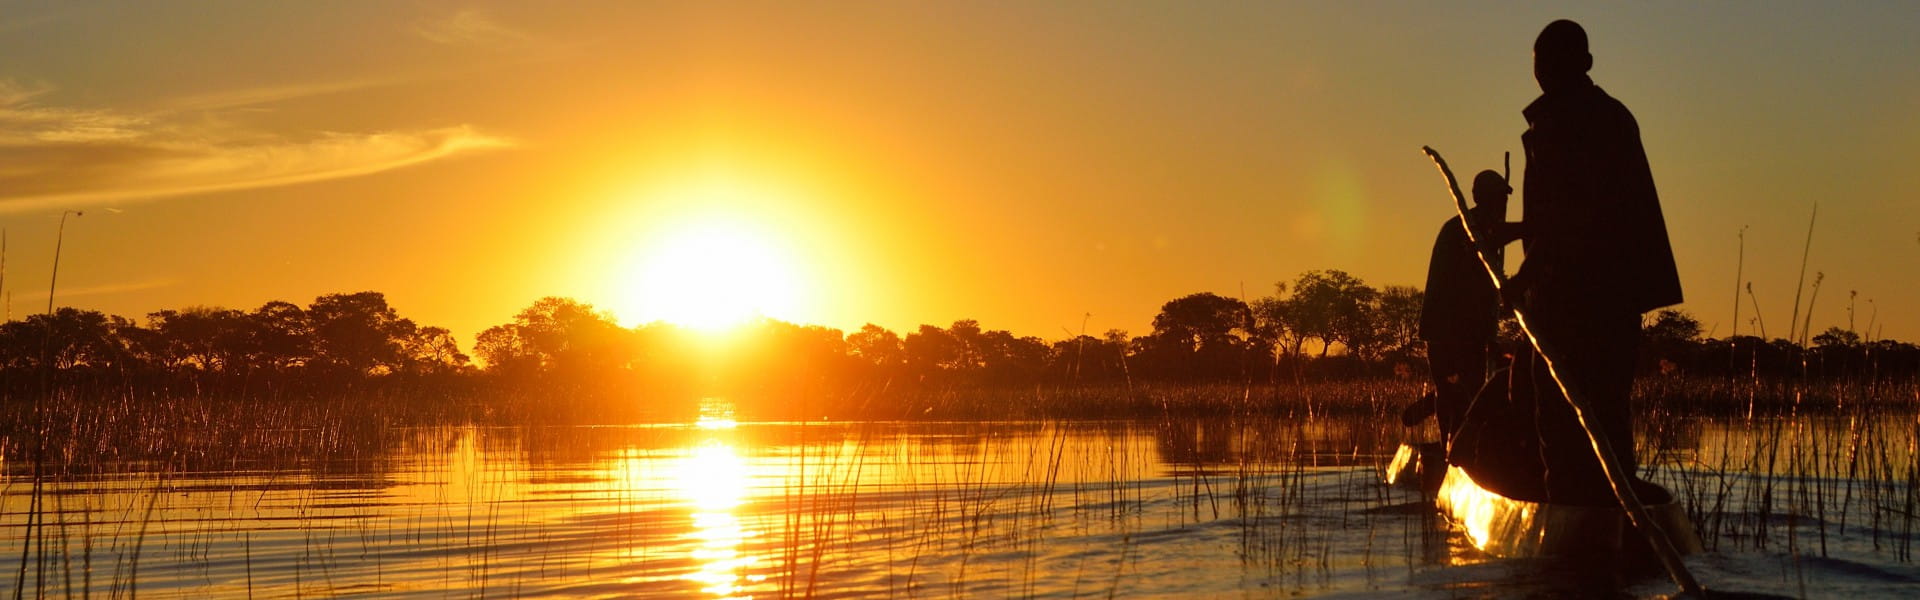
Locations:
(1617, 477)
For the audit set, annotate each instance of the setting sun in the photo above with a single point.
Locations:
(734, 300)
(712, 275)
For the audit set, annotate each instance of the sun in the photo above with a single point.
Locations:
(713, 275)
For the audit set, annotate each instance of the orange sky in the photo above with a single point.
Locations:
(1024, 165)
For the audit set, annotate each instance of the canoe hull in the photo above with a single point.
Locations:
(1508, 528)
(1419, 466)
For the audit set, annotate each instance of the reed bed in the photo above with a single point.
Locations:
(1812, 462)
(314, 497)
(1149, 401)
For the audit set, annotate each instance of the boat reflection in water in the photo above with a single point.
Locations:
(713, 480)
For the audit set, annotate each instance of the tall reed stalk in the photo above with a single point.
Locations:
(1801, 283)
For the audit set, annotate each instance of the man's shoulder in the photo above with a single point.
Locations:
(1590, 105)
(1604, 102)
(1451, 230)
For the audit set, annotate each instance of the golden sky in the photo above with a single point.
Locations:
(1023, 164)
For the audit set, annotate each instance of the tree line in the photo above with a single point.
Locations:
(351, 335)
(1323, 324)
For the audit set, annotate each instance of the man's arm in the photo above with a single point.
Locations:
(1507, 232)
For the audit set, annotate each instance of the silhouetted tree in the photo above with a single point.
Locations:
(1088, 358)
(582, 353)
(968, 352)
(358, 333)
(203, 338)
(776, 356)
(1668, 340)
(504, 350)
(1202, 321)
(68, 338)
(1118, 340)
(970, 340)
(1835, 337)
(932, 349)
(1399, 320)
(877, 346)
(1333, 307)
(558, 334)
(1274, 322)
(281, 335)
(432, 350)
(1009, 359)
(1671, 325)
(1200, 335)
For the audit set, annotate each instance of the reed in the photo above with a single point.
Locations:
(1278, 484)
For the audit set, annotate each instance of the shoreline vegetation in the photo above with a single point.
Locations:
(90, 427)
(1243, 402)
(1324, 342)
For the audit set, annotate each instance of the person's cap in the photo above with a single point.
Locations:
(1490, 180)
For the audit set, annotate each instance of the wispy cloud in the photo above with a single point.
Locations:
(115, 288)
(59, 157)
(23, 121)
(254, 96)
(469, 26)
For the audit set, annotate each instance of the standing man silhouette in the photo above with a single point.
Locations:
(1461, 311)
(1597, 256)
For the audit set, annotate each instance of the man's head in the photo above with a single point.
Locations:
(1490, 191)
(1560, 58)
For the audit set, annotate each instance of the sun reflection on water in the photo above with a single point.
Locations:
(716, 413)
(713, 480)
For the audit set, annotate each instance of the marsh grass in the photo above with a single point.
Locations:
(1031, 503)
(1153, 401)
(103, 470)
(1816, 462)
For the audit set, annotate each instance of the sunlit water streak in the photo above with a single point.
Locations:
(719, 509)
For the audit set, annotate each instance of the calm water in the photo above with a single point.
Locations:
(718, 509)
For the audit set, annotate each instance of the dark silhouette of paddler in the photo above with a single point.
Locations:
(1461, 313)
(1597, 257)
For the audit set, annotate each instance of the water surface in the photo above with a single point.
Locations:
(718, 509)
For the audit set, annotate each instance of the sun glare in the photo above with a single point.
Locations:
(714, 481)
(709, 247)
(713, 276)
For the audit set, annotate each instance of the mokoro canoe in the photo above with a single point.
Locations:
(1418, 466)
(1511, 528)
